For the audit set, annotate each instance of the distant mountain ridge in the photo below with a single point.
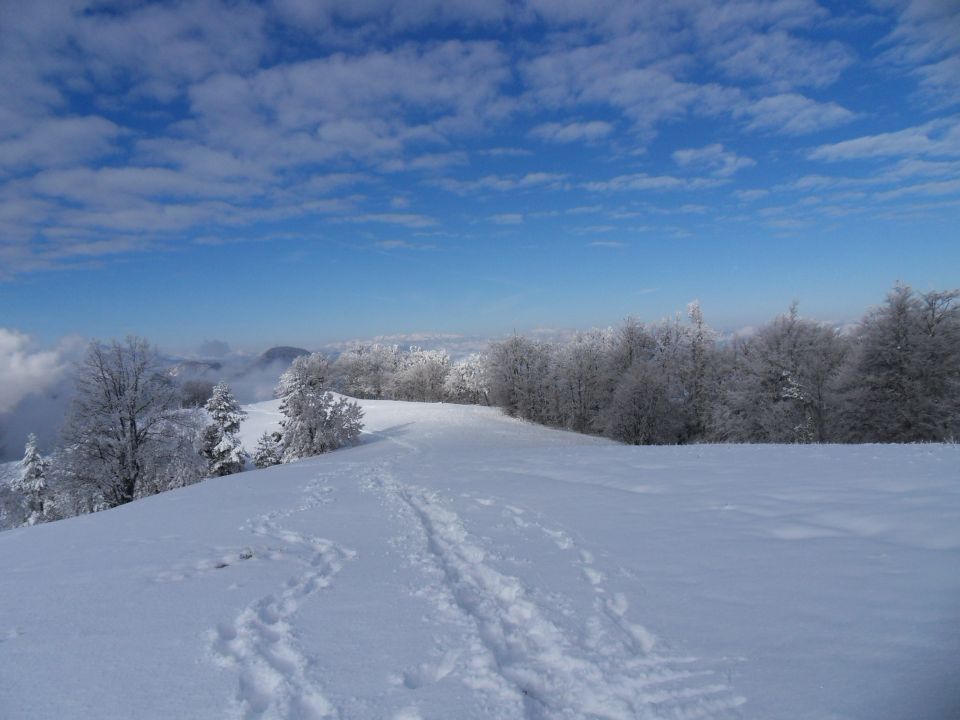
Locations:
(281, 353)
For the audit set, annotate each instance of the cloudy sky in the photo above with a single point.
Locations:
(305, 171)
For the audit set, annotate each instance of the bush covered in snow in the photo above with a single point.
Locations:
(315, 421)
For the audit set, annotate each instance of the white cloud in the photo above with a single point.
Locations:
(792, 114)
(751, 195)
(930, 189)
(643, 181)
(55, 142)
(934, 138)
(608, 244)
(428, 162)
(572, 132)
(721, 162)
(501, 183)
(926, 41)
(402, 245)
(506, 219)
(783, 61)
(24, 370)
(411, 220)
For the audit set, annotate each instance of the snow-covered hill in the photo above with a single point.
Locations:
(459, 564)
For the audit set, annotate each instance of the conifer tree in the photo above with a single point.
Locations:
(221, 445)
(33, 483)
(269, 450)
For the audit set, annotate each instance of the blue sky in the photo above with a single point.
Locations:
(306, 172)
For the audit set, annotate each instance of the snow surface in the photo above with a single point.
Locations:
(459, 564)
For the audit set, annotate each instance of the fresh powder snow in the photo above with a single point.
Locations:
(461, 564)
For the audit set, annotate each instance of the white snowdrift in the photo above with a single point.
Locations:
(458, 564)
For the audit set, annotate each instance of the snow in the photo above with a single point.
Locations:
(460, 564)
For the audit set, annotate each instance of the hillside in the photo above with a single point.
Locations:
(460, 564)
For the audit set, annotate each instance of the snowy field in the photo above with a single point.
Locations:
(459, 564)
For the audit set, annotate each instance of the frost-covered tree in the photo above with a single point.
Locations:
(269, 450)
(121, 414)
(640, 411)
(32, 482)
(903, 383)
(421, 375)
(351, 369)
(518, 373)
(783, 387)
(367, 371)
(578, 374)
(702, 341)
(176, 460)
(315, 421)
(221, 444)
(467, 381)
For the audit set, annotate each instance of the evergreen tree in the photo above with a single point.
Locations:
(221, 445)
(269, 450)
(32, 482)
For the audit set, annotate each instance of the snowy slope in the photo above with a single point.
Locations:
(458, 564)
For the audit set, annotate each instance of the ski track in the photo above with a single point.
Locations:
(276, 677)
(537, 668)
(504, 640)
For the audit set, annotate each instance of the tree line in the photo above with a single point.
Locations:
(894, 378)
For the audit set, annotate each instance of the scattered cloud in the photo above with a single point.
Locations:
(403, 245)
(607, 244)
(784, 61)
(572, 132)
(925, 42)
(720, 162)
(506, 219)
(941, 137)
(135, 127)
(752, 194)
(410, 220)
(643, 181)
(792, 114)
(501, 183)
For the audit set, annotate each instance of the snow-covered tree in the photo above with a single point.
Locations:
(467, 382)
(367, 371)
(315, 421)
(421, 375)
(221, 445)
(32, 482)
(518, 372)
(578, 373)
(904, 379)
(783, 385)
(702, 340)
(177, 460)
(122, 411)
(640, 411)
(269, 450)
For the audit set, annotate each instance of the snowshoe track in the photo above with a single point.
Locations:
(608, 669)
